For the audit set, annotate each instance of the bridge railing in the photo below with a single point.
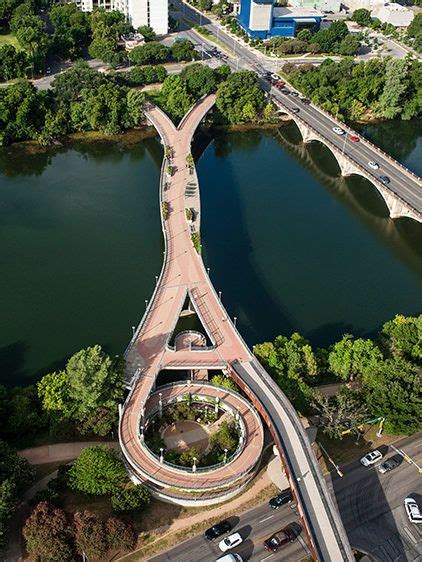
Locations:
(165, 252)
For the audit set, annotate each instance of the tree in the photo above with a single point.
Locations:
(53, 389)
(130, 498)
(14, 468)
(415, 27)
(148, 32)
(304, 35)
(186, 458)
(240, 98)
(396, 84)
(121, 535)
(13, 63)
(24, 414)
(225, 437)
(183, 49)
(199, 79)
(349, 45)
(68, 85)
(72, 30)
(32, 38)
(350, 358)
(91, 536)
(402, 337)
(151, 53)
(362, 16)
(7, 507)
(177, 99)
(393, 392)
(98, 470)
(48, 535)
(224, 381)
(94, 379)
(346, 410)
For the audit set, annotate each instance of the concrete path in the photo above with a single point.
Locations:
(60, 451)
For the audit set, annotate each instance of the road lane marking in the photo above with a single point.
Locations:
(410, 534)
(266, 558)
(266, 518)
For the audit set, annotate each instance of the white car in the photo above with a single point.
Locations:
(373, 165)
(230, 542)
(371, 458)
(412, 509)
(275, 77)
(338, 131)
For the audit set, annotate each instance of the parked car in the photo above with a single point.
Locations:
(354, 138)
(282, 498)
(295, 94)
(280, 83)
(285, 91)
(231, 557)
(384, 179)
(371, 458)
(388, 465)
(373, 165)
(306, 101)
(218, 530)
(338, 130)
(413, 511)
(295, 110)
(279, 539)
(230, 542)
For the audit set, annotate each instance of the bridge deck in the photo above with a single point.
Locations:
(184, 270)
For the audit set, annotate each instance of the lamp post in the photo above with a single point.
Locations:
(225, 455)
(234, 321)
(219, 295)
(161, 455)
(194, 464)
(133, 330)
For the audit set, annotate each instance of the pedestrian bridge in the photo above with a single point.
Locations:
(183, 274)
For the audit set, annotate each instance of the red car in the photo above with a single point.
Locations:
(353, 138)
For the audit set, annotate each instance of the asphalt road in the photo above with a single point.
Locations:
(407, 187)
(370, 504)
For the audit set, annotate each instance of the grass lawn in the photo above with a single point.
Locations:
(345, 450)
(9, 39)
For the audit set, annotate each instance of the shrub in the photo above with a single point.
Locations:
(121, 535)
(130, 498)
(90, 537)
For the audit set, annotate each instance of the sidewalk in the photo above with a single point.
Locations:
(60, 451)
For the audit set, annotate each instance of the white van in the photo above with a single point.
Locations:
(230, 558)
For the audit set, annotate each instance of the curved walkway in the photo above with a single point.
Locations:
(167, 476)
(184, 271)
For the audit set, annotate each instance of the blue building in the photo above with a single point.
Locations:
(260, 18)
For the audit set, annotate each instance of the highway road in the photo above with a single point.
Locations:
(407, 186)
(370, 504)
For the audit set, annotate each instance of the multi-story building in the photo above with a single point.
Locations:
(260, 18)
(138, 12)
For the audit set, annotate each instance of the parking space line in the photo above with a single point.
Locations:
(266, 518)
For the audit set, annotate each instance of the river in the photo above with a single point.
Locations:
(291, 245)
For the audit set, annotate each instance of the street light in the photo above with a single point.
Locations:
(133, 330)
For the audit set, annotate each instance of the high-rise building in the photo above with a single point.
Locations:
(138, 12)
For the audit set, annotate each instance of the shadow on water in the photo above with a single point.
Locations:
(366, 513)
(230, 253)
(12, 362)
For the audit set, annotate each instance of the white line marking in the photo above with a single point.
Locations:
(266, 519)
(303, 543)
(412, 537)
(266, 558)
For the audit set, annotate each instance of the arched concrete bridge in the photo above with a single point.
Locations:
(405, 201)
(183, 275)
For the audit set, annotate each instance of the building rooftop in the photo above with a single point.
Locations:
(397, 15)
(297, 12)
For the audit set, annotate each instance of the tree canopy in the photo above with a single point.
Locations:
(98, 470)
(240, 98)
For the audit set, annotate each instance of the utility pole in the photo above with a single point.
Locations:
(336, 466)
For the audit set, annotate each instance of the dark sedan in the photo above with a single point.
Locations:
(218, 530)
(283, 498)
